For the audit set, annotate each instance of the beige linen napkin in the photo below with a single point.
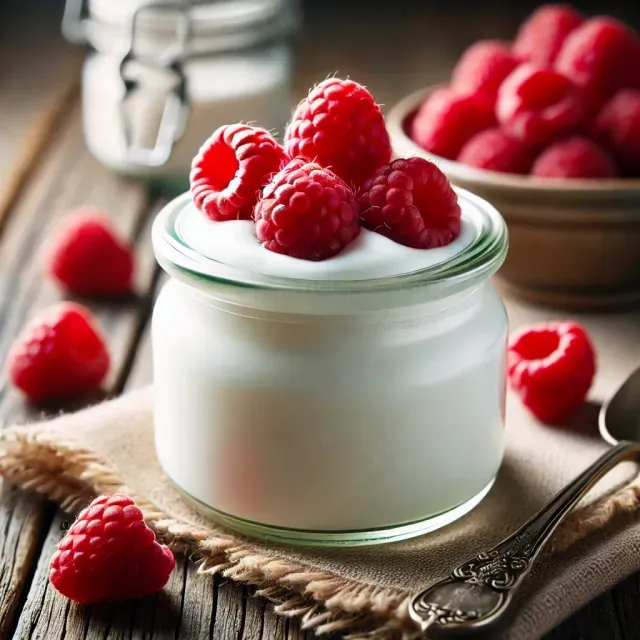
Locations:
(110, 448)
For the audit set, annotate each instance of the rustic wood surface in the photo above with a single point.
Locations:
(45, 171)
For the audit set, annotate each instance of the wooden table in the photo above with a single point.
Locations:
(45, 171)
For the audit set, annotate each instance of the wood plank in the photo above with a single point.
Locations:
(66, 178)
(39, 78)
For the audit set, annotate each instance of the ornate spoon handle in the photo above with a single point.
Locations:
(479, 591)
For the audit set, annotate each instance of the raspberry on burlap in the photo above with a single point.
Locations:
(109, 553)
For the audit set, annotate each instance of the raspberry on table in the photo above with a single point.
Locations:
(542, 35)
(575, 157)
(230, 169)
(551, 367)
(411, 202)
(602, 56)
(88, 258)
(340, 127)
(483, 67)
(447, 120)
(494, 150)
(539, 105)
(307, 212)
(109, 553)
(618, 128)
(59, 354)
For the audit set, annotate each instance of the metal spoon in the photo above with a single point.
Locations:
(478, 593)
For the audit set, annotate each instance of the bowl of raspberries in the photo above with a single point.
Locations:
(547, 128)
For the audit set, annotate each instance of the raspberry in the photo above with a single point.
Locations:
(59, 354)
(494, 150)
(411, 202)
(231, 168)
(602, 56)
(109, 553)
(542, 35)
(307, 212)
(88, 259)
(551, 367)
(538, 105)
(574, 157)
(339, 126)
(618, 128)
(447, 120)
(483, 67)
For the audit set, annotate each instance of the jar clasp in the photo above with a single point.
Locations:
(177, 105)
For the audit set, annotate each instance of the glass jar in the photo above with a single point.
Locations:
(161, 77)
(331, 412)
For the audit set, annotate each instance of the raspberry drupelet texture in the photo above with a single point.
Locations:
(539, 105)
(483, 67)
(307, 212)
(411, 202)
(542, 35)
(59, 354)
(575, 157)
(617, 127)
(494, 150)
(602, 56)
(109, 553)
(231, 168)
(88, 258)
(340, 127)
(551, 367)
(447, 120)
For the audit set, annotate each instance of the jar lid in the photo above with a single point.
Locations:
(213, 25)
(480, 258)
(206, 15)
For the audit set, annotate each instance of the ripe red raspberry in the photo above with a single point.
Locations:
(109, 553)
(340, 127)
(446, 121)
(411, 202)
(494, 150)
(538, 105)
(307, 212)
(59, 354)
(88, 258)
(618, 128)
(482, 68)
(576, 158)
(551, 367)
(231, 168)
(542, 35)
(602, 56)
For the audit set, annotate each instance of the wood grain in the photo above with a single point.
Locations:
(39, 78)
(65, 179)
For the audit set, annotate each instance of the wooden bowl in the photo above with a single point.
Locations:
(573, 243)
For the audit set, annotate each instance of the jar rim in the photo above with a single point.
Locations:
(473, 264)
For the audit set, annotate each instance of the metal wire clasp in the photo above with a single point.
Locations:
(177, 106)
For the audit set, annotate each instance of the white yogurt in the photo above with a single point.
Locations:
(333, 426)
(370, 255)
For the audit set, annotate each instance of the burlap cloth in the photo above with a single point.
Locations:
(365, 590)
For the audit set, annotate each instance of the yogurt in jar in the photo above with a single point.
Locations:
(350, 401)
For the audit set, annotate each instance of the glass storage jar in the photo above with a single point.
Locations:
(330, 412)
(160, 77)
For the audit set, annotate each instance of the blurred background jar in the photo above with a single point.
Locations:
(159, 78)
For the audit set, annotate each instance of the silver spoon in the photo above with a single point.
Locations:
(478, 593)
